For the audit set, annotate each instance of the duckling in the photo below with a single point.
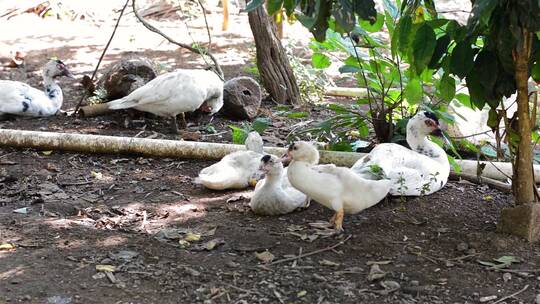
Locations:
(275, 195)
(337, 188)
(237, 170)
(420, 170)
(175, 93)
(17, 98)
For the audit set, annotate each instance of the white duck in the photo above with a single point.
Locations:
(235, 170)
(17, 98)
(337, 188)
(421, 170)
(274, 194)
(175, 93)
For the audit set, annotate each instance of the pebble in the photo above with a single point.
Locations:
(537, 301)
(507, 277)
(462, 247)
(415, 283)
(487, 299)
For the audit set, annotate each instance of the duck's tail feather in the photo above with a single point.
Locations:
(122, 103)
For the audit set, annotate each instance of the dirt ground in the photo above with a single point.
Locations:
(171, 241)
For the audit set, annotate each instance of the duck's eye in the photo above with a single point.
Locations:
(295, 148)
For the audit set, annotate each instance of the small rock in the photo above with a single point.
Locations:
(376, 273)
(192, 272)
(507, 277)
(414, 283)
(462, 247)
(27, 298)
(319, 277)
(487, 299)
(390, 285)
(232, 264)
(537, 300)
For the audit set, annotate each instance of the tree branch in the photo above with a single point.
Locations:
(199, 51)
(101, 57)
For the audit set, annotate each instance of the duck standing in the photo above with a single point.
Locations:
(337, 188)
(420, 170)
(174, 93)
(17, 98)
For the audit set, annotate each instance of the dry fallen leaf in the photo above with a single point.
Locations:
(191, 237)
(265, 256)
(109, 268)
(7, 246)
(301, 293)
(376, 273)
(183, 243)
(96, 175)
(47, 153)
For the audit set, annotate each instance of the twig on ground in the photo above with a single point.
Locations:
(312, 252)
(102, 55)
(512, 295)
(199, 51)
(504, 187)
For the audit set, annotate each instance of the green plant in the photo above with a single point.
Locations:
(239, 134)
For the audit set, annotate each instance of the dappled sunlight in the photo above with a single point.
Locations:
(111, 241)
(14, 272)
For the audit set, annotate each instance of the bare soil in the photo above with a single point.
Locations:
(85, 211)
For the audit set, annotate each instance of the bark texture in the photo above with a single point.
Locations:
(523, 179)
(276, 72)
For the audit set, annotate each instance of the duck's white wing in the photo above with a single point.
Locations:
(16, 97)
(231, 172)
(175, 87)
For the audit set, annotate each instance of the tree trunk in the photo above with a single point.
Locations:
(523, 179)
(276, 72)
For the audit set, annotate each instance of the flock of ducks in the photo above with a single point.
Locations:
(388, 169)
(167, 95)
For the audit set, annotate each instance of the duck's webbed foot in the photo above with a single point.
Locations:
(337, 220)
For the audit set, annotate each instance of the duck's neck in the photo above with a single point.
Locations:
(272, 180)
(421, 144)
(53, 92)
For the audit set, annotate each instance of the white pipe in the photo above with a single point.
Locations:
(87, 143)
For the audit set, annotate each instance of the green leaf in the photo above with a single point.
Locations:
(476, 91)
(480, 14)
(297, 114)
(344, 15)
(465, 100)
(260, 124)
(440, 49)
(423, 47)
(272, 6)
(320, 61)
(493, 119)
(447, 87)
(461, 62)
(413, 91)
(365, 9)
(535, 72)
(487, 63)
(405, 33)
(375, 27)
(289, 6)
(454, 164)
(363, 129)
(349, 69)
(391, 8)
(238, 135)
(341, 146)
(253, 4)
